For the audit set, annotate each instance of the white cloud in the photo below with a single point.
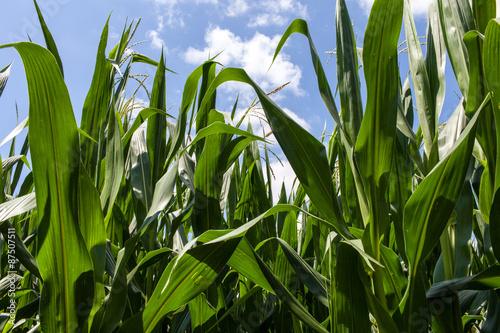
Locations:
(237, 8)
(418, 7)
(258, 13)
(156, 41)
(266, 19)
(253, 55)
(277, 12)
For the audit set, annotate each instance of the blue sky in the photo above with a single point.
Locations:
(190, 31)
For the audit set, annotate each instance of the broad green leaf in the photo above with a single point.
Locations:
(421, 85)
(454, 26)
(491, 60)
(493, 315)
(188, 97)
(374, 148)
(207, 181)
(241, 301)
(478, 89)
(156, 136)
(114, 165)
(395, 281)
(427, 211)
(306, 155)
(95, 107)
(140, 174)
(351, 108)
(203, 315)
(164, 190)
(185, 277)
(351, 308)
(49, 40)
(300, 26)
(435, 57)
(94, 233)
(242, 260)
(463, 231)
(484, 11)
(63, 259)
(4, 76)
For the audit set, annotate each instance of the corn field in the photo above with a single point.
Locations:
(155, 223)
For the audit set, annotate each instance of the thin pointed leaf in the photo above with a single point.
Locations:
(17, 206)
(49, 40)
(4, 76)
(15, 132)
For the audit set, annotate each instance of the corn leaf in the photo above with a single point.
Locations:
(4, 76)
(306, 155)
(49, 40)
(65, 264)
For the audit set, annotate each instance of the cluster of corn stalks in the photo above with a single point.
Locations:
(118, 227)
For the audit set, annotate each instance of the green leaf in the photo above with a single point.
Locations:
(96, 105)
(49, 40)
(421, 84)
(207, 181)
(189, 274)
(488, 279)
(374, 148)
(20, 250)
(92, 225)
(435, 58)
(288, 299)
(242, 260)
(140, 174)
(306, 155)
(491, 60)
(351, 308)
(142, 116)
(164, 190)
(484, 11)
(313, 280)
(117, 300)
(156, 136)
(64, 262)
(15, 132)
(202, 314)
(114, 165)
(455, 22)
(427, 211)
(4, 76)
(349, 86)
(17, 206)
(431, 204)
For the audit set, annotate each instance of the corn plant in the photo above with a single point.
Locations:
(156, 223)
